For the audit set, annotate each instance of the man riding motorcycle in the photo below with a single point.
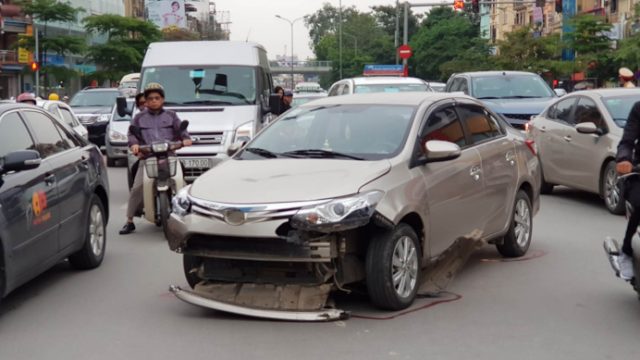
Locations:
(156, 124)
(628, 156)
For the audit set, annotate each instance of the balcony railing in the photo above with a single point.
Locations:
(8, 57)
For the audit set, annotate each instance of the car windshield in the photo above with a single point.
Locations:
(619, 107)
(364, 132)
(94, 98)
(129, 84)
(214, 85)
(510, 87)
(297, 101)
(389, 88)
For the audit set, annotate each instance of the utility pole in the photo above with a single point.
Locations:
(340, 35)
(405, 62)
(291, 23)
(397, 34)
(37, 56)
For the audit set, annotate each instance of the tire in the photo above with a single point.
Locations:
(380, 268)
(111, 162)
(165, 210)
(518, 238)
(545, 187)
(189, 262)
(610, 191)
(91, 254)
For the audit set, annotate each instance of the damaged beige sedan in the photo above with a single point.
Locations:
(350, 191)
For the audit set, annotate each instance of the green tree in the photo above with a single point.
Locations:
(593, 48)
(325, 21)
(628, 52)
(127, 41)
(174, 33)
(442, 38)
(385, 16)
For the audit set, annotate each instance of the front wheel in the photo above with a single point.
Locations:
(610, 191)
(518, 238)
(393, 268)
(92, 252)
(164, 210)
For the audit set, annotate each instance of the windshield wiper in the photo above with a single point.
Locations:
(262, 152)
(321, 154)
(207, 102)
(487, 97)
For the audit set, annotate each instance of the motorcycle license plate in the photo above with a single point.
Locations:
(195, 163)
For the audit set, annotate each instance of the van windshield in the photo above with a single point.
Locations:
(214, 85)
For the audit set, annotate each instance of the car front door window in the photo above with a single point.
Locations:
(480, 125)
(587, 111)
(14, 135)
(563, 111)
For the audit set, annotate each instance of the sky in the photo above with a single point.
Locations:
(256, 20)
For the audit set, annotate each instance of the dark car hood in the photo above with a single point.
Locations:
(518, 106)
(91, 109)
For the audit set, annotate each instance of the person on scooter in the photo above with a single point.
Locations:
(628, 155)
(157, 124)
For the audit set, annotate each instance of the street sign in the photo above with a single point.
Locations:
(24, 56)
(405, 51)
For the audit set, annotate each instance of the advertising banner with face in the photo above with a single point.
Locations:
(166, 13)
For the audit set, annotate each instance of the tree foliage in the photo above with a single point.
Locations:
(174, 33)
(47, 11)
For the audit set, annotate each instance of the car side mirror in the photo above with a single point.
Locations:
(20, 160)
(588, 128)
(438, 150)
(274, 103)
(184, 124)
(122, 108)
(235, 147)
(560, 91)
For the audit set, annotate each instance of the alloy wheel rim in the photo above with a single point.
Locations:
(522, 219)
(612, 193)
(96, 230)
(404, 267)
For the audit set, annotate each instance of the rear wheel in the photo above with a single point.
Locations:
(610, 191)
(190, 265)
(518, 238)
(92, 252)
(393, 268)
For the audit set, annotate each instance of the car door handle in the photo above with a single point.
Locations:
(567, 138)
(475, 172)
(50, 179)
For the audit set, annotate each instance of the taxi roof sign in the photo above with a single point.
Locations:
(383, 70)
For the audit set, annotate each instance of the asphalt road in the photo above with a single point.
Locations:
(562, 304)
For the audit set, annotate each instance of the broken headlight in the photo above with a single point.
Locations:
(180, 204)
(338, 214)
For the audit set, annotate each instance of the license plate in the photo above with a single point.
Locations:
(195, 163)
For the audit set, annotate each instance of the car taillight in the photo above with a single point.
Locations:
(532, 146)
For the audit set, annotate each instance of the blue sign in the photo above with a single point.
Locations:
(54, 59)
(568, 12)
(394, 70)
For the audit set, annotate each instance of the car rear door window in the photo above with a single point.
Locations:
(48, 138)
(587, 111)
(14, 135)
(444, 124)
(563, 111)
(480, 125)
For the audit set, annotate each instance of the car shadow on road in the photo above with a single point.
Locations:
(576, 196)
(42, 283)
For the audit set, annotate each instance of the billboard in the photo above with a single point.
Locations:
(166, 13)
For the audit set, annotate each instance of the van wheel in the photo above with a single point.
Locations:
(393, 268)
(518, 238)
(92, 252)
(189, 263)
(610, 191)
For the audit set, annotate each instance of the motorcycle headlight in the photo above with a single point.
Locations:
(338, 214)
(160, 147)
(104, 117)
(116, 136)
(181, 205)
(244, 132)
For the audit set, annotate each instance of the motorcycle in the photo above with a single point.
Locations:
(611, 245)
(162, 177)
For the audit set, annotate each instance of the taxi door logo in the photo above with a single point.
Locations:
(39, 207)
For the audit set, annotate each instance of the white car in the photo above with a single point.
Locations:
(378, 84)
(64, 113)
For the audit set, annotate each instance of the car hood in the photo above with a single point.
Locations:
(219, 118)
(518, 106)
(80, 110)
(285, 180)
(120, 126)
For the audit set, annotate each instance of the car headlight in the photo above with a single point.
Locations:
(244, 132)
(181, 205)
(116, 136)
(104, 117)
(338, 214)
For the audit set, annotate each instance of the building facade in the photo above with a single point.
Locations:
(13, 24)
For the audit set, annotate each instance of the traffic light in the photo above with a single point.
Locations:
(34, 66)
(559, 6)
(458, 4)
(475, 6)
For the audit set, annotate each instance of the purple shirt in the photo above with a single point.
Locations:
(163, 125)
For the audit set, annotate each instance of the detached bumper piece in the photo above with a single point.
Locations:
(265, 301)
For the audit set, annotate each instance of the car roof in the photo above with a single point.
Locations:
(202, 53)
(405, 98)
(372, 80)
(100, 89)
(4, 107)
(494, 73)
(608, 92)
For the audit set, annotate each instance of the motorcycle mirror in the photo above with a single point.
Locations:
(122, 108)
(184, 125)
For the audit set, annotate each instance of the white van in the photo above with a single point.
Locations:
(129, 84)
(221, 87)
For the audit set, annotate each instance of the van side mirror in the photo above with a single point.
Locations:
(275, 104)
(20, 160)
(560, 91)
(235, 147)
(122, 108)
(184, 124)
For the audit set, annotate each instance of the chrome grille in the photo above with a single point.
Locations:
(88, 119)
(215, 138)
(193, 173)
(252, 213)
